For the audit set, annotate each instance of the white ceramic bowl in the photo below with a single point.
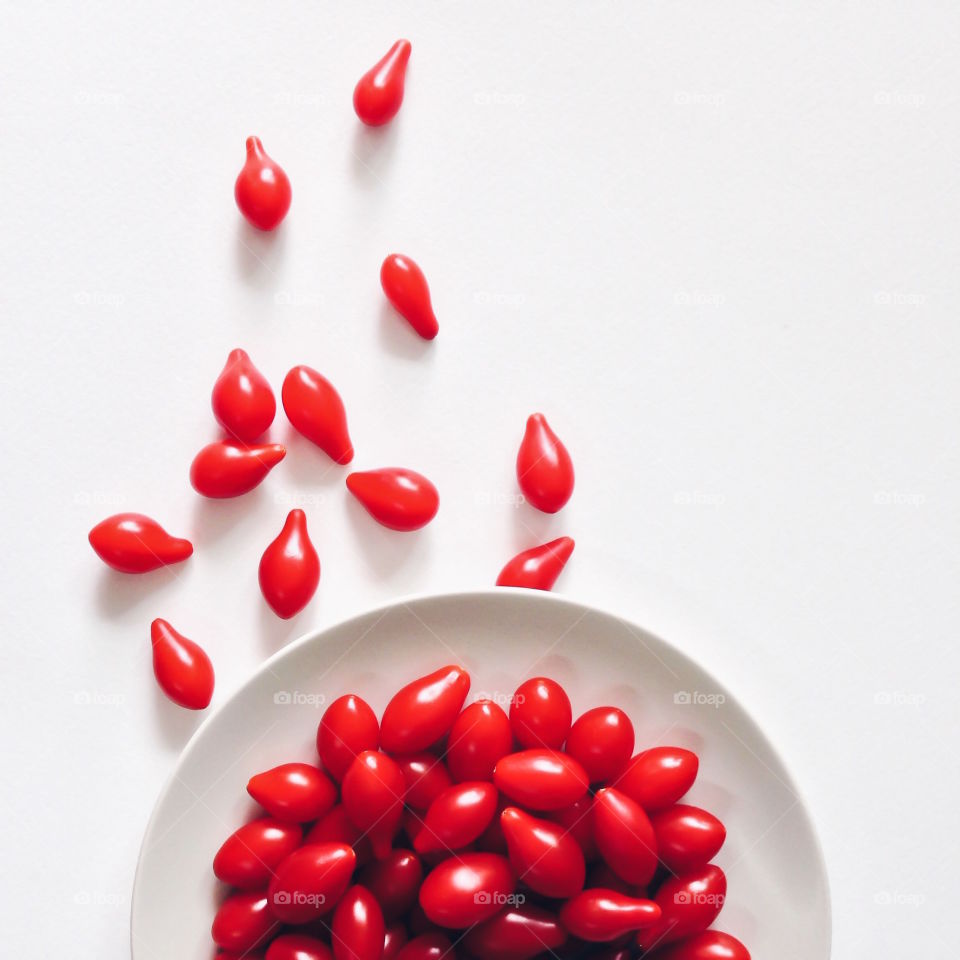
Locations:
(778, 899)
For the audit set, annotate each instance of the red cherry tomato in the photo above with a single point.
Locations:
(262, 190)
(230, 469)
(600, 916)
(541, 779)
(310, 881)
(315, 409)
(336, 827)
(543, 855)
(544, 468)
(182, 669)
(577, 820)
(358, 927)
(249, 856)
(659, 777)
(624, 836)
(517, 933)
(423, 711)
(372, 793)
(428, 946)
(379, 92)
(426, 778)
(293, 792)
(688, 905)
(539, 567)
(348, 727)
(709, 945)
(602, 740)
(467, 889)
(242, 400)
(540, 714)
(133, 543)
(394, 881)
(457, 817)
(406, 288)
(297, 946)
(479, 737)
(290, 568)
(243, 922)
(394, 940)
(687, 837)
(397, 498)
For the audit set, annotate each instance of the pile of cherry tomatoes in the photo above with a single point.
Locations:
(443, 832)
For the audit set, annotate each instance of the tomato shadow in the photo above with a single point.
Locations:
(119, 593)
(275, 632)
(258, 253)
(175, 724)
(214, 518)
(385, 551)
(398, 338)
(371, 152)
(307, 466)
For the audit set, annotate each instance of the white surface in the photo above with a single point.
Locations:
(777, 887)
(715, 243)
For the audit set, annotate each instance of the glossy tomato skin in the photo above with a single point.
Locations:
(539, 567)
(394, 940)
(602, 740)
(479, 737)
(395, 497)
(544, 467)
(348, 727)
(310, 881)
(687, 837)
(428, 946)
(406, 288)
(457, 817)
(314, 407)
(467, 889)
(424, 710)
(540, 714)
(183, 670)
(248, 857)
(577, 821)
(243, 922)
(297, 946)
(242, 401)
(709, 945)
(358, 927)
(228, 468)
(517, 933)
(541, 779)
(426, 777)
(394, 882)
(372, 793)
(336, 827)
(290, 568)
(379, 92)
(262, 190)
(600, 916)
(135, 543)
(688, 904)
(657, 778)
(624, 836)
(293, 792)
(543, 855)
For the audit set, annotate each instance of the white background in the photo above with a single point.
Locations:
(715, 243)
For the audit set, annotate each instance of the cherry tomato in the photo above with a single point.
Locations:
(467, 889)
(577, 820)
(293, 792)
(182, 669)
(544, 468)
(457, 817)
(310, 881)
(423, 711)
(315, 409)
(242, 400)
(358, 927)
(624, 836)
(428, 946)
(541, 779)
(133, 543)
(406, 288)
(297, 946)
(248, 857)
(262, 190)
(394, 881)
(687, 837)
(602, 740)
(348, 727)
(379, 92)
(230, 469)
(336, 827)
(426, 778)
(659, 777)
(479, 737)
(242, 922)
(290, 568)
(539, 567)
(372, 793)
(540, 714)
(397, 498)
(517, 933)
(600, 916)
(709, 945)
(688, 905)
(394, 940)
(543, 855)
